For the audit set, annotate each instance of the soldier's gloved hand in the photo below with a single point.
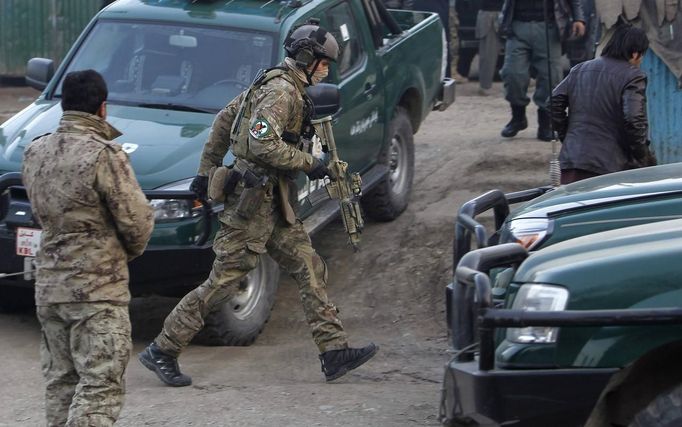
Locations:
(200, 186)
(318, 170)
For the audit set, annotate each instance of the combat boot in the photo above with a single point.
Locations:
(544, 125)
(337, 363)
(517, 123)
(164, 365)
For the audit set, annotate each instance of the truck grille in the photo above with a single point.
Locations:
(18, 193)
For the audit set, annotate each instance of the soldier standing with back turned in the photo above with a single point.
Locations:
(95, 219)
(264, 126)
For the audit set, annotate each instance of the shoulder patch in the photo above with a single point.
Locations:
(260, 128)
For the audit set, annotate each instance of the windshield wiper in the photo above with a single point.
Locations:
(178, 107)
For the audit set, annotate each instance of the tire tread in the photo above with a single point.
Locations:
(664, 411)
(379, 204)
(218, 331)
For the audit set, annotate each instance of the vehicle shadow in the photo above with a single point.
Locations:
(147, 315)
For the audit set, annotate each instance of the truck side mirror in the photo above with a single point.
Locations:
(39, 71)
(325, 97)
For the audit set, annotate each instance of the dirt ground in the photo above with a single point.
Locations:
(391, 292)
(13, 99)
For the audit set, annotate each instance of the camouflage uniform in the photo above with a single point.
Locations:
(454, 37)
(275, 107)
(95, 219)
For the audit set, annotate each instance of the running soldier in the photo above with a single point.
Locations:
(263, 126)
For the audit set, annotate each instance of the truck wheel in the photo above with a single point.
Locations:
(15, 300)
(664, 411)
(240, 320)
(389, 198)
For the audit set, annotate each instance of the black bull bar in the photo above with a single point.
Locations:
(13, 180)
(473, 319)
(467, 227)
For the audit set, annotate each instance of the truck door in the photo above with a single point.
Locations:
(361, 121)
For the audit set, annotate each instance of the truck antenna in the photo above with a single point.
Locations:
(554, 167)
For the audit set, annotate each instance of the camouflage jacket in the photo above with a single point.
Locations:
(93, 213)
(276, 107)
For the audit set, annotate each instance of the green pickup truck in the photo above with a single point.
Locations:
(584, 329)
(170, 66)
(549, 215)
(593, 332)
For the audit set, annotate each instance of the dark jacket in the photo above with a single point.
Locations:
(491, 5)
(399, 4)
(606, 126)
(565, 13)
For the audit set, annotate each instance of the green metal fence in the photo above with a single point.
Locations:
(40, 28)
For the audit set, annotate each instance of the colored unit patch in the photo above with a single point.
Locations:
(259, 129)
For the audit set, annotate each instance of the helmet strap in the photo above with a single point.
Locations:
(309, 74)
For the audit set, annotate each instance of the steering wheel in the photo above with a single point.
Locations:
(240, 85)
(220, 92)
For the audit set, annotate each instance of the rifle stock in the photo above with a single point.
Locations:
(345, 187)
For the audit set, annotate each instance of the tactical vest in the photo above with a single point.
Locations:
(239, 133)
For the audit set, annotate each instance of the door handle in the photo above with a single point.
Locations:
(369, 88)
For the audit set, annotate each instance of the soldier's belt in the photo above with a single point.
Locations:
(252, 180)
(242, 166)
(223, 180)
(283, 180)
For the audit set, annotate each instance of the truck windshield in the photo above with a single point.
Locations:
(173, 66)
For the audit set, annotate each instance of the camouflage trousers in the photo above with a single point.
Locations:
(454, 39)
(84, 352)
(238, 245)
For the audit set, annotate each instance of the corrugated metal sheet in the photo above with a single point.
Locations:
(664, 102)
(40, 28)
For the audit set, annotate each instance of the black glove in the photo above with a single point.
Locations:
(318, 171)
(200, 186)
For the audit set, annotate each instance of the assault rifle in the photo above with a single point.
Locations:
(344, 187)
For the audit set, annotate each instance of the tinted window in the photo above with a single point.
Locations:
(342, 26)
(145, 63)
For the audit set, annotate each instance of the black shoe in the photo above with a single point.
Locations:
(337, 363)
(165, 366)
(545, 132)
(517, 123)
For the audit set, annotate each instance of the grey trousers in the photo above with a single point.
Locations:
(488, 46)
(525, 56)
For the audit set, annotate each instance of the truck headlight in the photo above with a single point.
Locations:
(534, 297)
(529, 232)
(174, 209)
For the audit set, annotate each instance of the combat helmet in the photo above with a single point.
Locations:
(309, 43)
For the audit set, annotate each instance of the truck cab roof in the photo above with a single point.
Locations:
(247, 14)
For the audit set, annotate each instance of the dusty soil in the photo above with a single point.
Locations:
(12, 99)
(392, 293)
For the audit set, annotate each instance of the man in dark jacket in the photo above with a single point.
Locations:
(606, 127)
(524, 24)
(581, 49)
